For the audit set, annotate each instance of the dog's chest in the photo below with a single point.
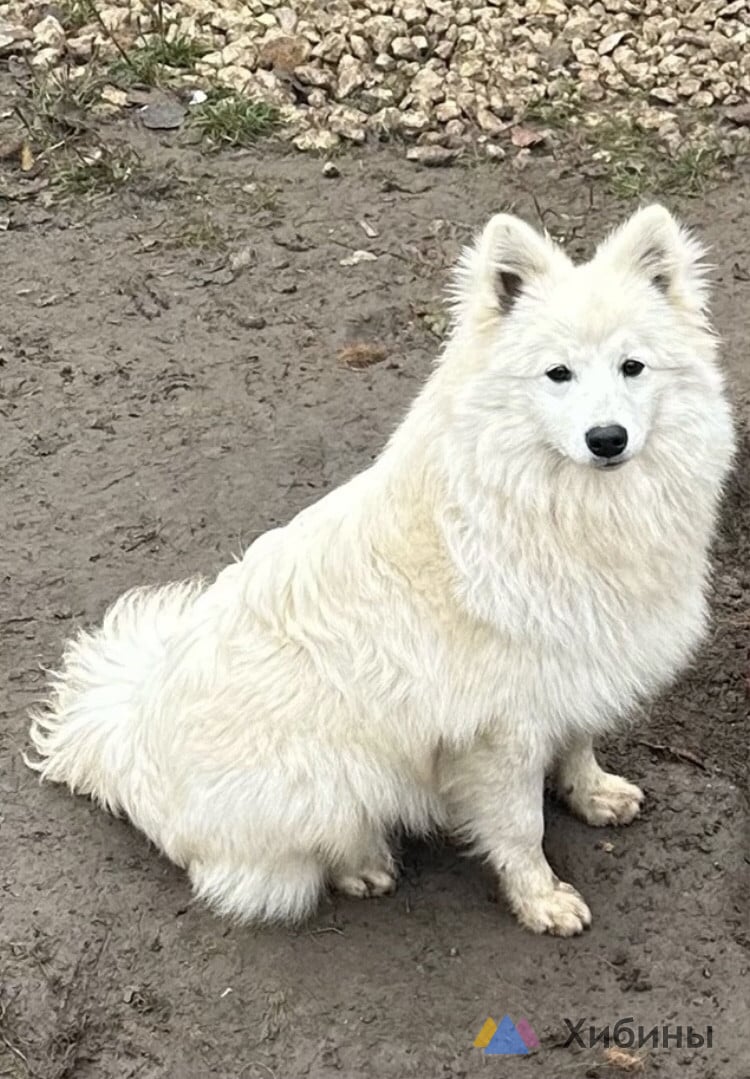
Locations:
(579, 648)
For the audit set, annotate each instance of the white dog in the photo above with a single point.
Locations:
(525, 562)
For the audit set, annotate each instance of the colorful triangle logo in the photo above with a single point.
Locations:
(507, 1039)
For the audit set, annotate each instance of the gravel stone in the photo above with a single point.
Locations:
(439, 73)
(432, 156)
(352, 76)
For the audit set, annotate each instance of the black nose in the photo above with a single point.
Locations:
(607, 441)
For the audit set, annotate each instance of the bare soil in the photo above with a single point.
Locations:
(169, 388)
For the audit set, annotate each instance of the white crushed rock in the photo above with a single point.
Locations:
(438, 73)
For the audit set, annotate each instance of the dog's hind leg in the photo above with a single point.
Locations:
(282, 889)
(598, 797)
(368, 870)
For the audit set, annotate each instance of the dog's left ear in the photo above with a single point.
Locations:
(654, 246)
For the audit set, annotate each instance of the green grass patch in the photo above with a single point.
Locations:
(560, 111)
(638, 163)
(58, 105)
(98, 172)
(150, 61)
(77, 13)
(63, 134)
(229, 119)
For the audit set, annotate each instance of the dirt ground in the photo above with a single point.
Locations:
(169, 388)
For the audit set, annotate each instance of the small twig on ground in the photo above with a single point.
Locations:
(677, 754)
(109, 34)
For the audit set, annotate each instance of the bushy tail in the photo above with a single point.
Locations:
(85, 735)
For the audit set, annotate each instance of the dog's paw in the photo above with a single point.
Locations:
(560, 911)
(613, 800)
(366, 884)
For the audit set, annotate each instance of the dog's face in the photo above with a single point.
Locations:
(593, 365)
(595, 400)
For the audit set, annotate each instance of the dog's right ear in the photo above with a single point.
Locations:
(513, 255)
(508, 258)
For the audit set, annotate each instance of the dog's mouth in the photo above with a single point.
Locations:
(612, 463)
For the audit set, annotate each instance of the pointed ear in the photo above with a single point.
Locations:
(654, 246)
(508, 258)
(512, 255)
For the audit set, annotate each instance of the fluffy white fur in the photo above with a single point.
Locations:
(418, 648)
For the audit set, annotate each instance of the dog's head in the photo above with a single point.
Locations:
(592, 365)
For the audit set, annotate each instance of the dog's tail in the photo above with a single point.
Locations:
(88, 732)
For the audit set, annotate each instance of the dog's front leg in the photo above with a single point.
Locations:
(599, 797)
(494, 798)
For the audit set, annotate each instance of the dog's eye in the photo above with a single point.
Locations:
(560, 373)
(631, 368)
